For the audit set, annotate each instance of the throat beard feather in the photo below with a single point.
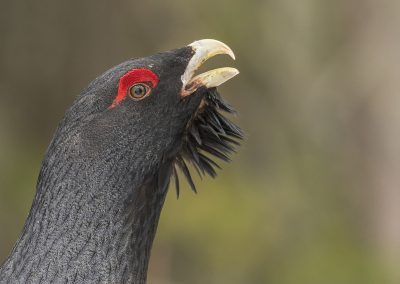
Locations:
(209, 135)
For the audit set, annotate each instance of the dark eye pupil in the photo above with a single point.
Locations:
(138, 91)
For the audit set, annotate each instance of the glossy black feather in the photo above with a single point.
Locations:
(176, 182)
(164, 174)
(184, 168)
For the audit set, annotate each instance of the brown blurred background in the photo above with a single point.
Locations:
(313, 196)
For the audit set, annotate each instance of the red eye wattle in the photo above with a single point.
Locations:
(137, 83)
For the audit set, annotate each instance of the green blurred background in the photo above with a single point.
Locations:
(313, 196)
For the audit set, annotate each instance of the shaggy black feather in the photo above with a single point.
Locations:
(208, 135)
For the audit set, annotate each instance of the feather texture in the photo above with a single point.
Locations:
(209, 135)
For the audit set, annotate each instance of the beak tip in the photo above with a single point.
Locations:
(213, 45)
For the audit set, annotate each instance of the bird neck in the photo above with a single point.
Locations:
(91, 221)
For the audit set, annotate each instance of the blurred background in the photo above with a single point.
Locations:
(313, 195)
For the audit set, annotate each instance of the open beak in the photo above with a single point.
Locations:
(203, 50)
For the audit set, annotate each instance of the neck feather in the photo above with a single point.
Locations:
(91, 221)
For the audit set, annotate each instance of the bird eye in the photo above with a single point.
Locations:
(139, 91)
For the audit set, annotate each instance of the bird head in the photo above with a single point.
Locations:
(153, 114)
